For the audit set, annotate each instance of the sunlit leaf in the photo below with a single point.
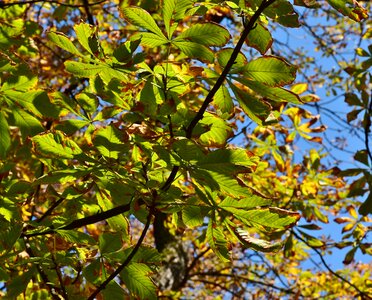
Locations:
(143, 19)
(63, 42)
(270, 70)
(55, 144)
(217, 241)
(136, 279)
(260, 39)
(208, 34)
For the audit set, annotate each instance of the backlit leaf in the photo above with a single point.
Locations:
(63, 42)
(136, 279)
(55, 145)
(217, 241)
(208, 34)
(270, 70)
(141, 18)
(260, 39)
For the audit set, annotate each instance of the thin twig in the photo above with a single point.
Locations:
(329, 268)
(127, 260)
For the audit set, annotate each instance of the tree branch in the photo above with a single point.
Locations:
(209, 98)
(3, 5)
(126, 262)
(364, 294)
(87, 11)
(85, 221)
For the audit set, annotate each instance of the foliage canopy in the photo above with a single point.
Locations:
(152, 150)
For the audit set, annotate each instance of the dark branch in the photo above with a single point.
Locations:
(126, 262)
(86, 221)
(87, 11)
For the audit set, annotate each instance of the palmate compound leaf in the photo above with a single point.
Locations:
(136, 278)
(270, 70)
(55, 145)
(256, 244)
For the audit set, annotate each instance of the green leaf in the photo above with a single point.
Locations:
(208, 34)
(223, 56)
(270, 70)
(136, 278)
(5, 140)
(366, 207)
(217, 241)
(195, 50)
(62, 176)
(143, 19)
(311, 240)
(8, 209)
(257, 110)
(223, 101)
(218, 131)
(260, 39)
(174, 10)
(109, 141)
(118, 223)
(192, 215)
(10, 234)
(245, 203)
(110, 242)
(63, 42)
(55, 145)
(276, 94)
(256, 244)
(19, 83)
(150, 39)
(262, 218)
(78, 237)
(113, 291)
(28, 124)
(84, 33)
(80, 69)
